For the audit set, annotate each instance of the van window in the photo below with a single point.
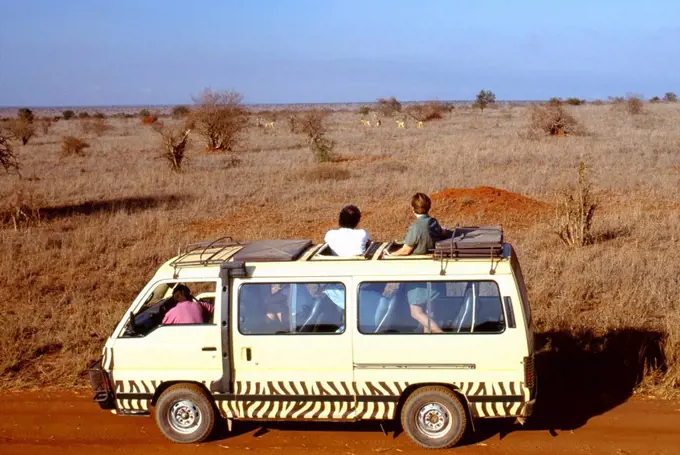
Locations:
(161, 308)
(291, 308)
(403, 307)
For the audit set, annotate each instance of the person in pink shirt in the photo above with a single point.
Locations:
(187, 310)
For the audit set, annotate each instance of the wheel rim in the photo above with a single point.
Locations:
(184, 416)
(434, 420)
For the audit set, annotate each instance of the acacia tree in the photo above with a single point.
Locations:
(219, 117)
(173, 144)
(484, 98)
(670, 97)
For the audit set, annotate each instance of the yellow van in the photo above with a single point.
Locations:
(290, 332)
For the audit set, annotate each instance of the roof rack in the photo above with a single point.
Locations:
(471, 242)
(204, 252)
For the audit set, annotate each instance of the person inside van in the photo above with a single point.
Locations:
(424, 232)
(276, 309)
(187, 310)
(347, 240)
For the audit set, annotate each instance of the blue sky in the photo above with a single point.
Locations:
(122, 52)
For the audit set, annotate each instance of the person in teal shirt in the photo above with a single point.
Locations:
(425, 230)
(420, 239)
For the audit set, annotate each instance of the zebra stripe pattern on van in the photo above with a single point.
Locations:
(334, 400)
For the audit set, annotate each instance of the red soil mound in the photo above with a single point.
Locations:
(486, 205)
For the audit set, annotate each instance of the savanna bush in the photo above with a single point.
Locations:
(8, 160)
(484, 99)
(72, 145)
(83, 114)
(313, 124)
(173, 144)
(68, 114)
(219, 118)
(670, 97)
(634, 105)
(388, 107)
(21, 130)
(554, 120)
(574, 212)
(575, 101)
(179, 112)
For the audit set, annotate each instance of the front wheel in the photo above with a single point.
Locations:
(185, 414)
(434, 418)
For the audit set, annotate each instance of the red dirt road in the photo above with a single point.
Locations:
(67, 422)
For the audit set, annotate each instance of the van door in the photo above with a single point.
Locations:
(292, 348)
(151, 353)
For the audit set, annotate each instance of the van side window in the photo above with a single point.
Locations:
(430, 307)
(291, 308)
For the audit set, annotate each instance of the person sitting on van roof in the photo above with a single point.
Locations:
(348, 240)
(187, 310)
(425, 230)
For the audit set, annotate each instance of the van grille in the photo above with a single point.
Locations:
(529, 372)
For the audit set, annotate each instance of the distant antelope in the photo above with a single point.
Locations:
(401, 124)
(420, 123)
(269, 124)
(365, 122)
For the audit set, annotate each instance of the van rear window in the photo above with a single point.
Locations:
(407, 307)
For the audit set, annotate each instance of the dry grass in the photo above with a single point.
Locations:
(109, 218)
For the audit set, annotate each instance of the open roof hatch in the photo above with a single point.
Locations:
(272, 250)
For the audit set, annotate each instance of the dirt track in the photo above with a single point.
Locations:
(67, 422)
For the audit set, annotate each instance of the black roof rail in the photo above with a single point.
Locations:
(205, 257)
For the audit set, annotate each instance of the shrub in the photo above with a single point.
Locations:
(428, 111)
(554, 120)
(45, 125)
(574, 212)
(7, 158)
(670, 97)
(388, 106)
(364, 111)
(174, 141)
(555, 101)
(26, 115)
(575, 101)
(143, 113)
(68, 114)
(83, 114)
(655, 99)
(97, 126)
(72, 145)
(21, 207)
(484, 98)
(219, 118)
(149, 119)
(180, 112)
(99, 115)
(21, 130)
(634, 105)
(313, 125)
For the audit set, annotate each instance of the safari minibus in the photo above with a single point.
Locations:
(292, 332)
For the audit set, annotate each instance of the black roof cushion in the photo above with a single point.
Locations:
(272, 250)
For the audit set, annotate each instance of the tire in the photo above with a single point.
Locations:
(185, 414)
(434, 418)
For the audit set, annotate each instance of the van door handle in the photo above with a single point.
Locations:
(209, 348)
(247, 353)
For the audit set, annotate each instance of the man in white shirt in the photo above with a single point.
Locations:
(348, 240)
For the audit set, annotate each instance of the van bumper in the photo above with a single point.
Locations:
(100, 382)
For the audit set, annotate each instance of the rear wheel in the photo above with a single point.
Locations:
(434, 418)
(185, 414)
